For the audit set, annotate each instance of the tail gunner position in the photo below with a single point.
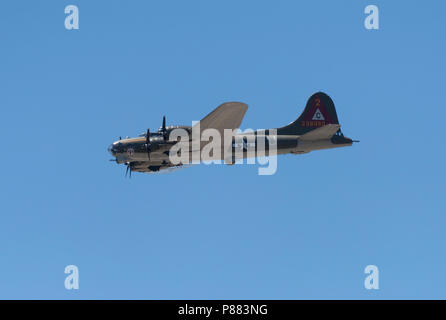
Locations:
(316, 128)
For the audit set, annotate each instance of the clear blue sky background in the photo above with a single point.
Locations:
(221, 231)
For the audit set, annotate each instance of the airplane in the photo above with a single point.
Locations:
(316, 128)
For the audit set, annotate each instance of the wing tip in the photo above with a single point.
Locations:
(235, 104)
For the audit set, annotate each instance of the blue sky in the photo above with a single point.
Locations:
(219, 232)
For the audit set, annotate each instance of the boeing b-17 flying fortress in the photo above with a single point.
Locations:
(215, 138)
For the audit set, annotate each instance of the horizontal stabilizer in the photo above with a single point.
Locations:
(325, 132)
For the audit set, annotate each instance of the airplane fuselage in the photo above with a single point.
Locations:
(248, 145)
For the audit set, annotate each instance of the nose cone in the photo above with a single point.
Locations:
(111, 150)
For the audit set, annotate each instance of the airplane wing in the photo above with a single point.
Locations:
(172, 169)
(324, 132)
(228, 115)
(156, 167)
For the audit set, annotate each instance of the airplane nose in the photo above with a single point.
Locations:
(111, 150)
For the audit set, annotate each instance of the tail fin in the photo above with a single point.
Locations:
(319, 111)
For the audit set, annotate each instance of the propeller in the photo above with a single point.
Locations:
(163, 129)
(129, 169)
(148, 143)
